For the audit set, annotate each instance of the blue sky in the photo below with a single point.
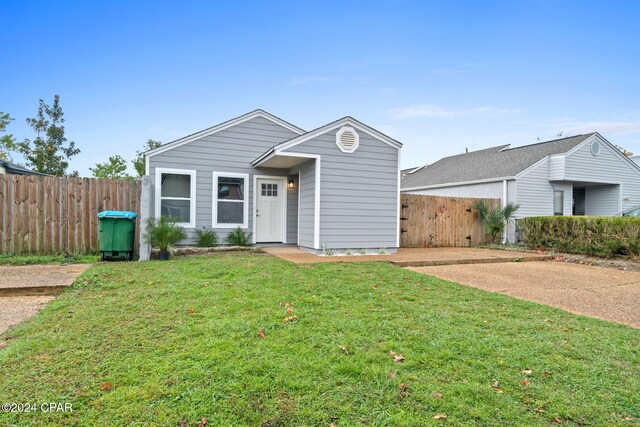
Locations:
(438, 76)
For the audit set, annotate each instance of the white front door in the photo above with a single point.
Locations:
(269, 210)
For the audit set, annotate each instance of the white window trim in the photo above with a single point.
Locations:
(192, 208)
(284, 180)
(214, 207)
(356, 137)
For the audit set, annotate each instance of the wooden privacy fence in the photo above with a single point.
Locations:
(50, 215)
(435, 221)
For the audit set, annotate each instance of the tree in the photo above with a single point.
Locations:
(50, 151)
(6, 140)
(114, 168)
(624, 151)
(138, 163)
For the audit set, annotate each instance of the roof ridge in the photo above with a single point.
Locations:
(551, 140)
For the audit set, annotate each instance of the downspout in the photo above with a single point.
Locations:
(504, 204)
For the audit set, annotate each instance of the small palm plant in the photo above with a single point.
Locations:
(206, 238)
(163, 233)
(239, 238)
(495, 220)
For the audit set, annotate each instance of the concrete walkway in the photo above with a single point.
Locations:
(605, 293)
(411, 256)
(25, 290)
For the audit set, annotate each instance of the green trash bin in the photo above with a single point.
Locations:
(117, 233)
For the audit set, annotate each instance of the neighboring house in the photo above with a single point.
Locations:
(12, 168)
(336, 187)
(636, 159)
(578, 175)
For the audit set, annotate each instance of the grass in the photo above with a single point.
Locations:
(167, 343)
(11, 259)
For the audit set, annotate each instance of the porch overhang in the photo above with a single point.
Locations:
(281, 160)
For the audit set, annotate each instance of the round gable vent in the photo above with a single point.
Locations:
(347, 139)
(595, 148)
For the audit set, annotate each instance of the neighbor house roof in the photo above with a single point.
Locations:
(18, 170)
(491, 163)
(635, 159)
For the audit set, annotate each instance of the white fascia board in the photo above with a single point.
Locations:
(456, 184)
(221, 127)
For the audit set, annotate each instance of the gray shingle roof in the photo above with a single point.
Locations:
(495, 162)
(19, 170)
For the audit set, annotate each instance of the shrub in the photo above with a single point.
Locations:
(206, 238)
(600, 236)
(239, 238)
(163, 233)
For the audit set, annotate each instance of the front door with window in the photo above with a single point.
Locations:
(269, 211)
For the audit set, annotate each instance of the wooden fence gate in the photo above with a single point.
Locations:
(435, 221)
(50, 215)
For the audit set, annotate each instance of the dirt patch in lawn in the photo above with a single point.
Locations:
(16, 309)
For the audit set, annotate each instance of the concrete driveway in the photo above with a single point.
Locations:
(605, 293)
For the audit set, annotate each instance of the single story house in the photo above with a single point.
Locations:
(335, 188)
(11, 168)
(578, 175)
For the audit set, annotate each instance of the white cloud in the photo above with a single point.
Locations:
(604, 127)
(438, 111)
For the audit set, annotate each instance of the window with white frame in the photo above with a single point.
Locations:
(558, 202)
(176, 195)
(230, 203)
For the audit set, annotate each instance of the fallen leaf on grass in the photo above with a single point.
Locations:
(496, 387)
(437, 395)
(404, 387)
(527, 371)
(192, 311)
(628, 418)
(261, 333)
(289, 310)
(540, 411)
(396, 357)
(344, 349)
(525, 382)
(440, 417)
(332, 425)
(548, 374)
(203, 422)
(557, 420)
(45, 357)
(290, 319)
(105, 386)
(392, 375)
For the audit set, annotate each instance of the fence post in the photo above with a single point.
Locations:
(145, 213)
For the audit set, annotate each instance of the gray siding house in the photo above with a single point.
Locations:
(579, 175)
(336, 187)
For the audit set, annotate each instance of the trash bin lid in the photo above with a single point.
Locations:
(117, 214)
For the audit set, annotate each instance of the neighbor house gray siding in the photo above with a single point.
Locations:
(603, 200)
(358, 193)
(608, 167)
(229, 150)
(534, 192)
(489, 190)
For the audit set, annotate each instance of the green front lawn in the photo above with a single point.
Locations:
(168, 343)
